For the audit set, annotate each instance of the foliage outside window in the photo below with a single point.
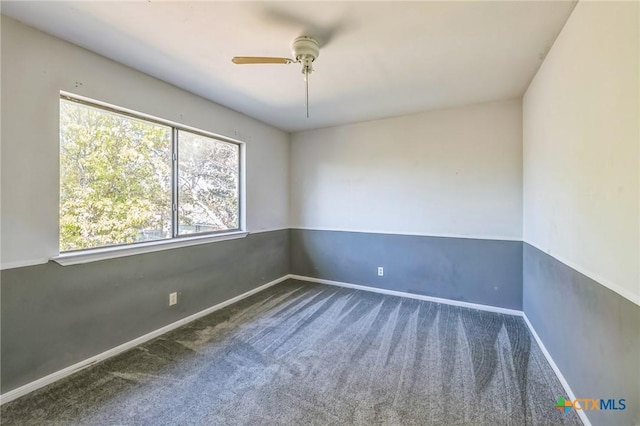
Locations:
(125, 179)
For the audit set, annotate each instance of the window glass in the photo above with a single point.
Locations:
(208, 184)
(117, 182)
(115, 178)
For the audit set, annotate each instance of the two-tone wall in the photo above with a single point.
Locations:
(434, 198)
(55, 316)
(443, 200)
(582, 205)
(536, 209)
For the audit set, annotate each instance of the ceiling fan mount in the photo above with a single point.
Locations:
(305, 51)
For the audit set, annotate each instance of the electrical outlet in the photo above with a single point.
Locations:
(173, 299)
(380, 271)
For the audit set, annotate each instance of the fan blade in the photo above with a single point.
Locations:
(260, 60)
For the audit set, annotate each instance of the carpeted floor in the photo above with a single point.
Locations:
(304, 354)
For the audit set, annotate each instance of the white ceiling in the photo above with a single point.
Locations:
(377, 59)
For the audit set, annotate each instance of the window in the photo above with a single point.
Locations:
(127, 179)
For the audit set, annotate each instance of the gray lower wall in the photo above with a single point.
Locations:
(591, 332)
(54, 316)
(488, 272)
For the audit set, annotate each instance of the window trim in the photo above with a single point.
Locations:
(176, 240)
(110, 252)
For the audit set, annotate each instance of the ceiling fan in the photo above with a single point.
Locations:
(305, 50)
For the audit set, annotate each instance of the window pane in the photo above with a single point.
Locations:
(115, 178)
(208, 184)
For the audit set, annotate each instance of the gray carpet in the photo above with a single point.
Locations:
(301, 354)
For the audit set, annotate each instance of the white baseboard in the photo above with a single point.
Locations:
(556, 370)
(53, 377)
(410, 295)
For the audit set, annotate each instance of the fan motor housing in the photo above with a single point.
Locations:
(305, 47)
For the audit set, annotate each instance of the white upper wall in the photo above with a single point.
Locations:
(455, 172)
(35, 67)
(581, 154)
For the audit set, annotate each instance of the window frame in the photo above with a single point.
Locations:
(71, 257)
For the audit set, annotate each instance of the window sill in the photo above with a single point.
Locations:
(94, 255)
